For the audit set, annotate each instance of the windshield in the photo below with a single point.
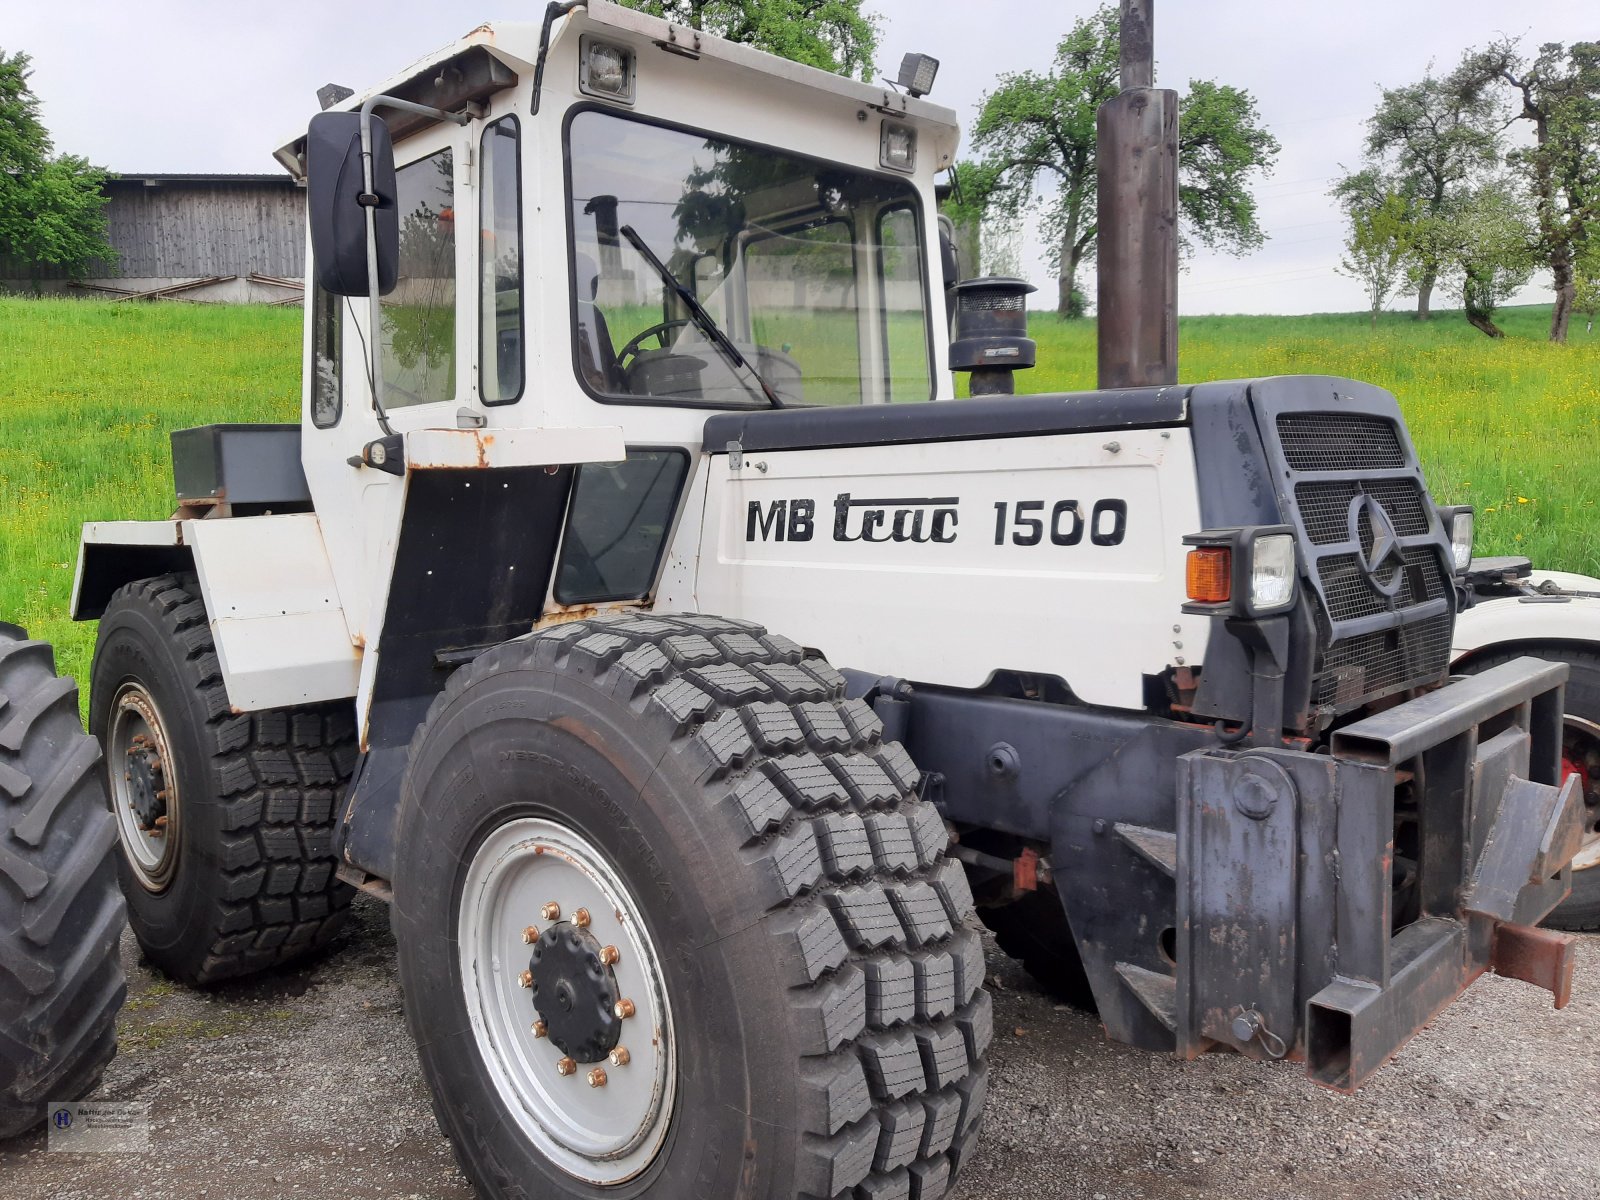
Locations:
(811, 270)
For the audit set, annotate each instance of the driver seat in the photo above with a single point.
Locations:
(597, 354)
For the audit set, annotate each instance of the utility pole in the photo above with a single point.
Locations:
(1137, 268)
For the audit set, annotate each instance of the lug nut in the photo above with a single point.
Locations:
(581, 918)
(624, 1009)
(609, 955)
(530, 935)
(539, 1029)
(565, 1066)
(161, 822)
(526, 979)
(597, 1077)
(551, 911)
(620, 1057)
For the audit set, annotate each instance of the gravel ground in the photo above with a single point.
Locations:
(305, 1084)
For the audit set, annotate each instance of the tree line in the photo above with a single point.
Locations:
(1449, 197)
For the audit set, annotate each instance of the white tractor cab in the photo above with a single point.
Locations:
(637, 608)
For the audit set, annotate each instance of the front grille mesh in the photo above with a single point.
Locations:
(1374, 663)
(1325, 507)
(1350, 597)
(1331, 442)
(1369, 448)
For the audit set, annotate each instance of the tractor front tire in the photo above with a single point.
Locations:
(61, 915)
(1580, 750)
(227, 820)
(672, 921)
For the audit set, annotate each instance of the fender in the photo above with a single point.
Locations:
(1514, 620)
(280, 630)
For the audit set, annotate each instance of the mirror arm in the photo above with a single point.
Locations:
(369, 201)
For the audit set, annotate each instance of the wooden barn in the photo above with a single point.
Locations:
(220, 238)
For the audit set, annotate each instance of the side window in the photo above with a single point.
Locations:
(419, 316)
(500, 310)
(326, 336)
(905, 319)
(802, 286)
(617, 526)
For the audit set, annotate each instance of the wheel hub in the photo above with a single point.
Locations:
(1580, 756)
(574, 993)
(147, 794)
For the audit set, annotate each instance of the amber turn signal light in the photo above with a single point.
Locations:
(1209, 574)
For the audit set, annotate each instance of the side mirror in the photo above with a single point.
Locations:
(334, 188)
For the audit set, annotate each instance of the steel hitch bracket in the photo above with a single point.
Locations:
(1289, 940)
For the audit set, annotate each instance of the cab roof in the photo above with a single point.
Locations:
(497, 55)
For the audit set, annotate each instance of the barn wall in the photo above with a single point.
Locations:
(180, 230)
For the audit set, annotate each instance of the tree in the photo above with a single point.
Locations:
(1490, 250)
(1558, 92)
(1382, 238)
(1437, 135)
(834, 35)
(52, 207)
(1036, 133)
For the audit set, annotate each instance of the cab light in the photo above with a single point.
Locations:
(897, 147)
(607, 71)
(1209, 574)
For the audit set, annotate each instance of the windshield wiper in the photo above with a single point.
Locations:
(706, 323)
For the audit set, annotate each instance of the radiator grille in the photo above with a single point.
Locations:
(1374, 663)
(1333, 442)
(1325, 507)
(1351, 597)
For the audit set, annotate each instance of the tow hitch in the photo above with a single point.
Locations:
(1288, 939)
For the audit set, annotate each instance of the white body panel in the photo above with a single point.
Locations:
(1523, 619)
(268, 586)
(955, 610)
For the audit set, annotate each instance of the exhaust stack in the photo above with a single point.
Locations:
(1137, 274)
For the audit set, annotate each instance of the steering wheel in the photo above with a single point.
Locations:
(658, 331)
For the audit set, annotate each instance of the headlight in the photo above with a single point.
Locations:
(1272, 572)
(1459, 521)
(897, 147)
(606, 70)
(1246, 572)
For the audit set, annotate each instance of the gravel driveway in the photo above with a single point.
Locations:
(305, 1084)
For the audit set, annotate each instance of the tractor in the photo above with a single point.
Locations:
(638, 610)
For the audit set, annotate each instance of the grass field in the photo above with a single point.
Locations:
(89, 391)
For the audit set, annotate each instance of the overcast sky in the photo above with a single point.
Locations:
(180, 85)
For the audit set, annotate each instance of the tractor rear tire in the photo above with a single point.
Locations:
(810, 1016)
(1034, 931)
(239, 875)
(61, 915)
(1579, 912)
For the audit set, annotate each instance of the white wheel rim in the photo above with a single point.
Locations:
(603, 1134)
(137, 735)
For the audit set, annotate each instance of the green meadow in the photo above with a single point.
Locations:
(89, 391)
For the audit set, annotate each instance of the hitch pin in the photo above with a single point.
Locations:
(1248, 1026)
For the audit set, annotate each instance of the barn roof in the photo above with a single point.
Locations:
(150, 179)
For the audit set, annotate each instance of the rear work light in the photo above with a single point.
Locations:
(1210, 574)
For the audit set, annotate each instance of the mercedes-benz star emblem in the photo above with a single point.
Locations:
(1386, 551)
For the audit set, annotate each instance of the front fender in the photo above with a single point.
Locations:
(1521, 620)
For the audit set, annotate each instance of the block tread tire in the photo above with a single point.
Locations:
(61, 915)
(856, 971)
(254, 886)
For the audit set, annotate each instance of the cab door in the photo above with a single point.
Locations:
(426, 348)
